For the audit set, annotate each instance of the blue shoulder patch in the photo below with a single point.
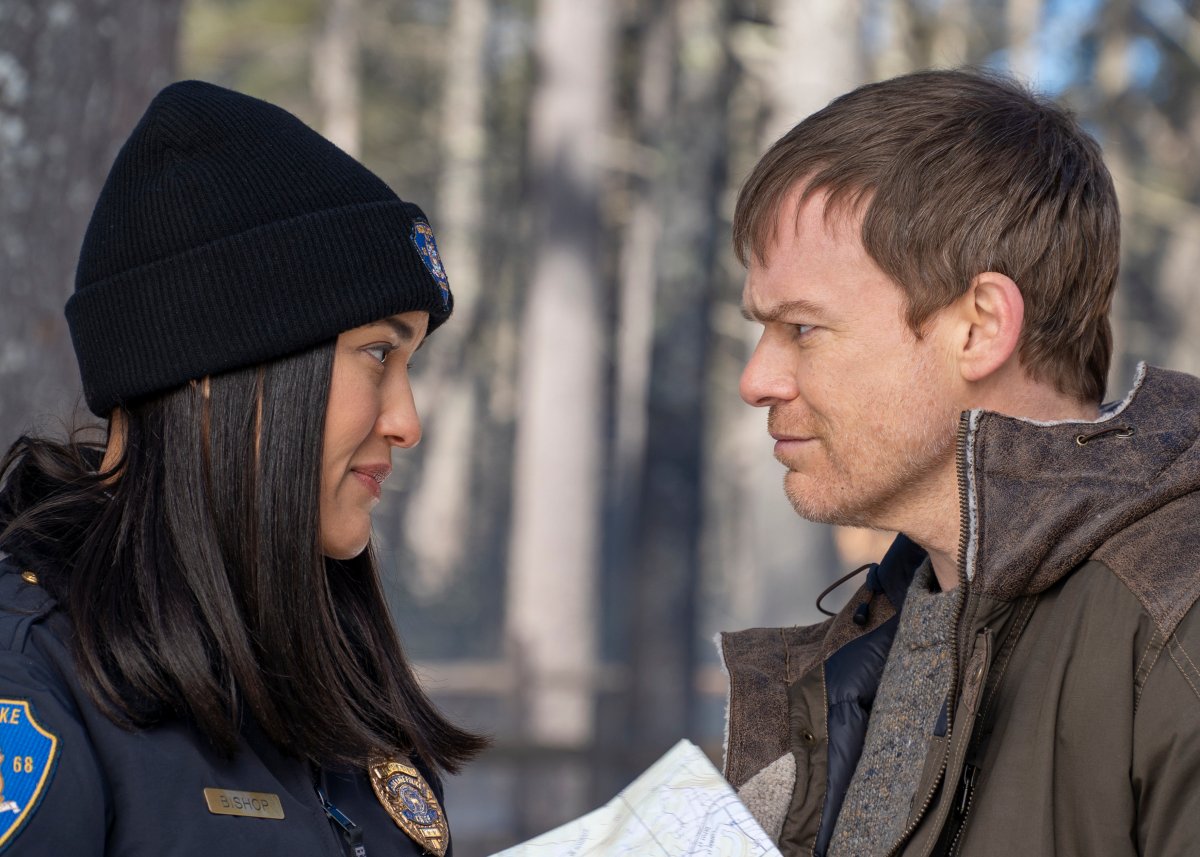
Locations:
(28, 753)
(422, 239)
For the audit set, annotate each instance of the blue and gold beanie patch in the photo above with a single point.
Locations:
(27, 756)
(423, 240)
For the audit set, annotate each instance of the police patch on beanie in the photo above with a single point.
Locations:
(423, 240)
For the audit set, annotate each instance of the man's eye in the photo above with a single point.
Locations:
(802, 329)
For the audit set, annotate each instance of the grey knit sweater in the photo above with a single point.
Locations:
(915, 682)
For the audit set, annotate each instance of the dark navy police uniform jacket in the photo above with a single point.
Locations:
(74, 784)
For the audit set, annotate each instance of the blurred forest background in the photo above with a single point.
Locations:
(592, 501)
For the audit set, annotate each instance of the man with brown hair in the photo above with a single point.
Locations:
(932, 260)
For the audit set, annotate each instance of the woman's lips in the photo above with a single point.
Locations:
(369, 483)
(372, 478)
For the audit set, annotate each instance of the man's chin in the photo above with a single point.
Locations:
(816, 505)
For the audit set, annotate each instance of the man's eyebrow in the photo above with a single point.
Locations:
(784, 311)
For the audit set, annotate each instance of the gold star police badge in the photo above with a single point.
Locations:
(411, 803)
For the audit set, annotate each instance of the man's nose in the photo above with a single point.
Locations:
(768, 378)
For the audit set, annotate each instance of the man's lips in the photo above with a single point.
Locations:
(786, 444)
(790, 433)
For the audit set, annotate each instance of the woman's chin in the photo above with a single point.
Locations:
(344, 547)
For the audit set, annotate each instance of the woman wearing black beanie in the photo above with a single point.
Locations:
(195, 652)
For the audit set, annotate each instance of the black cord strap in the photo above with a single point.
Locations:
(839, 582)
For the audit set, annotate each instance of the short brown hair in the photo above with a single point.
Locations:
(957, 173)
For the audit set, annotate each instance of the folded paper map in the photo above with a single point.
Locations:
(680, 807)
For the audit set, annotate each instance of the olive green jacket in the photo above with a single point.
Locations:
(1073, 726)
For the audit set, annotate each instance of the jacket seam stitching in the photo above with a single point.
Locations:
(1146, 654)
(1183, 671)
(1139, 681)
(1166, 625)
(1179, 645)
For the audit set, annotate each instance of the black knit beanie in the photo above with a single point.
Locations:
(229, 233)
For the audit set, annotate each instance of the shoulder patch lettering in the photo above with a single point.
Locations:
(422, 239)
(28, 753)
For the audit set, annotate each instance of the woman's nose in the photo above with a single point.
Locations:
(399, 421)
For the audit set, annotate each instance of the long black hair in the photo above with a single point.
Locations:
(194, 581)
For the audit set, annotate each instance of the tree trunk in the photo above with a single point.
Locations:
(666, 565)
(557, 469)
(817, 59)
(1150, 146)
(441, 506)
(74, 79)
(639, 278)
(335, 76)
(1023, 19)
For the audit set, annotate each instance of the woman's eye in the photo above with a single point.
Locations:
(379, 352)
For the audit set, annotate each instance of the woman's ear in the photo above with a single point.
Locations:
(991, 315)
(115, 446)
(203, 384)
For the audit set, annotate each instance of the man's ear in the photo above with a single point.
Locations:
(991, 315)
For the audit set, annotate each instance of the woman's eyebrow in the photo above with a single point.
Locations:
(403, 329)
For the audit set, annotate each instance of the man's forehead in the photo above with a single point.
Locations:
(817, 269)
(783, 288)
(815, 215)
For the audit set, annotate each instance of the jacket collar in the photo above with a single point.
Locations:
(1039, 498)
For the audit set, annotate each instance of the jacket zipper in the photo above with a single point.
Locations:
(964, 524)
(812, 852)
(970, 771)
(966, 795)
(970, 778)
